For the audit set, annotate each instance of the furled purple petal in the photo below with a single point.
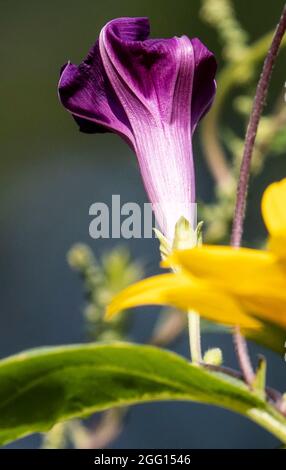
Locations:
(153, 92)
(146, 68)
(86, 92)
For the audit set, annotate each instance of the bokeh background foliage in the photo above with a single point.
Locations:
(50, 174)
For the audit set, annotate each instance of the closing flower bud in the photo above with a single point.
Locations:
(152, 92)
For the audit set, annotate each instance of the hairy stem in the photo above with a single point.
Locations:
(258, 104)
(237, 229)
(228, 78)
(243, 358)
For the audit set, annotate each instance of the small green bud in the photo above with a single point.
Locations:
(79, 256)
(213, 357)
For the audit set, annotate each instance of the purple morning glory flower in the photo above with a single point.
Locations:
(152, 92)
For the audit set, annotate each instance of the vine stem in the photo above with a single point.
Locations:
(226, 80)
(239, 214)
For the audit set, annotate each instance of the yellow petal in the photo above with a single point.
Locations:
(274, 208)
(240, 270)
(257, 279)
(277, 244)
(271, 309)
(181, 291)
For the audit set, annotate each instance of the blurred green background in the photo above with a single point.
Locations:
(50, 174)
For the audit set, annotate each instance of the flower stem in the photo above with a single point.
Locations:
(258, 104)
(237, 229)
(269, 422)
(244, 361)
(229, 77)
(195, 337)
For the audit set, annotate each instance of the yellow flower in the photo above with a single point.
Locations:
(224, 284)
(274, 213)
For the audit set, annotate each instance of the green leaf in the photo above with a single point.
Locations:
(259, 382)
(41, 387)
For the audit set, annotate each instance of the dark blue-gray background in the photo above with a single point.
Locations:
(50, 174)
